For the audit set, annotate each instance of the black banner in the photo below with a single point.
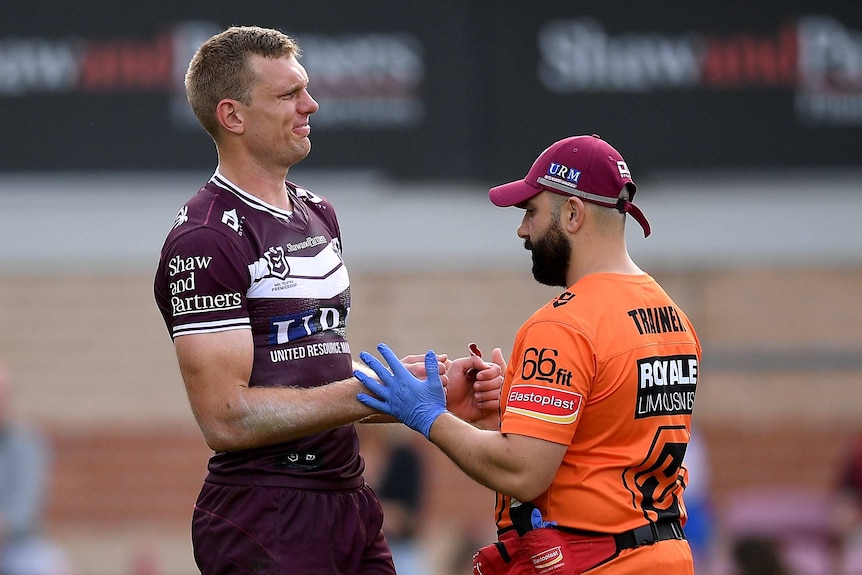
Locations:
(473, 91)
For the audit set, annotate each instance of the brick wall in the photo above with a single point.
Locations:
(93, 364)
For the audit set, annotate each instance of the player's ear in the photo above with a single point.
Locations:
(229, 115)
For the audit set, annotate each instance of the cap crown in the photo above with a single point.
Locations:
(583, 163)
(582, 166)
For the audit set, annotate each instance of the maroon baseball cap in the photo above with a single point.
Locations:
(582, 166)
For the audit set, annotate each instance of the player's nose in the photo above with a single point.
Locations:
(308, 105)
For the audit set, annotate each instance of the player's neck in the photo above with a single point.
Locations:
(268, 185)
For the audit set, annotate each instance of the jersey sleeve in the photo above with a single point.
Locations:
(551, 373)
(202, 283)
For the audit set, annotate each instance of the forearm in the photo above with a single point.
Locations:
(517, 465)
(233, 415)
(265, 416)
(487, 456)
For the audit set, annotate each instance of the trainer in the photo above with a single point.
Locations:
(598, 393)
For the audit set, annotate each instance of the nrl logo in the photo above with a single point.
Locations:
(276, 263)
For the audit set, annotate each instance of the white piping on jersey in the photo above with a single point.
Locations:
(211, 326)
(252, 201)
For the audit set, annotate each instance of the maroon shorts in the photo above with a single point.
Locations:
(260, 530)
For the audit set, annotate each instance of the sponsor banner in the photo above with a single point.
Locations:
(440, 95)
(547, 404)
(309, 350)
(666, 385)
(722, 88)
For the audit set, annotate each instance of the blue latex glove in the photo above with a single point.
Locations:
(537, 521)
(400, 394)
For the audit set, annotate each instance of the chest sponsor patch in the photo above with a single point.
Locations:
(547, 404)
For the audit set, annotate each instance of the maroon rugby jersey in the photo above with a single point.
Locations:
(232, 261)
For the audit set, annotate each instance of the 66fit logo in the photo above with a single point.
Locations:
(538, 402)
(541, 364)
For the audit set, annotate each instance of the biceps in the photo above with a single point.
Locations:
(539, 458)
(215, 368)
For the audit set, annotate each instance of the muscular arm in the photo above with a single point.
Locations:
(216, 368)
(516, 465)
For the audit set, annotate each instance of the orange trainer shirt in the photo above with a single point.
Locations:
(610, 369)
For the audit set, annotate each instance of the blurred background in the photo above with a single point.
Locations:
(741, 124)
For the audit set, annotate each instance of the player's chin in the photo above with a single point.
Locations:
(296, 154)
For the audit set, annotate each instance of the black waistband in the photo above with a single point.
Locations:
(649, 534)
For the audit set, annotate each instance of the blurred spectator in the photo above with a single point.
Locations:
(24, 464)
(400, 490)
(756, 555)
(848, 506)
(700, 527)
(847, 510)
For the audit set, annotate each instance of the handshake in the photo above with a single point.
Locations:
(467, 387)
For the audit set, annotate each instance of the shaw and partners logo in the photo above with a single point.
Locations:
(368, 80)
(183, 285)
(816, 57)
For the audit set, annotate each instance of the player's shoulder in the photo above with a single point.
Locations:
(210, 213)
(309, 198)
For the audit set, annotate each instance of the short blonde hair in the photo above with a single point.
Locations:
(220, 68)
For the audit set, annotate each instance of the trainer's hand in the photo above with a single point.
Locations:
(473, 390)
(417, 403)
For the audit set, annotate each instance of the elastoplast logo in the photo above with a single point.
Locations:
(538, 402)
(548, 560)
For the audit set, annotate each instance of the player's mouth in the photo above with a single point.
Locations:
(302, 129)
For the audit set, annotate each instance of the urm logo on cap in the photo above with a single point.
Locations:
(564, 172)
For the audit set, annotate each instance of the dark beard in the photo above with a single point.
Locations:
(551, 254)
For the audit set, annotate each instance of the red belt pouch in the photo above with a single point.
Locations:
(500, 558)
(543, 551)
(549, 551)
(546, 550)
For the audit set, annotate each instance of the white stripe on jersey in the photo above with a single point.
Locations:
(249, 199)
(211, 326)
(323, 276)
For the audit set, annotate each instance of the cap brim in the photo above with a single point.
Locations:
(512, 194)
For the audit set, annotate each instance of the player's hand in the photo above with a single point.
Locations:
(415, 364)
(415, 402)
(473, 390)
